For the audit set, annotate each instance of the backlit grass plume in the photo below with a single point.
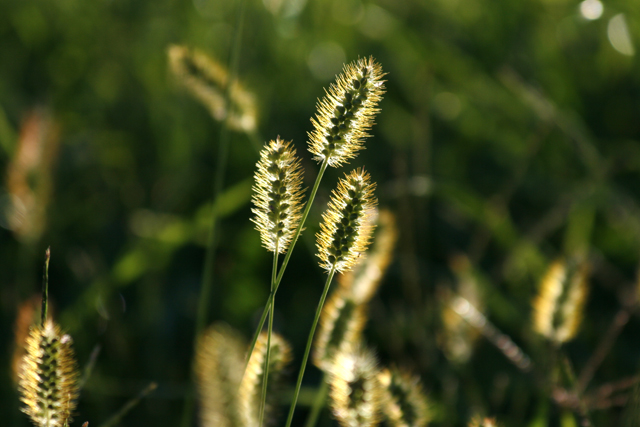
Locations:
(363, 281)
(250, 392)
(49, 377)
(558, 308)
(355, 390)
(346, 112)
(478, 421)
(341, 326)
(277, 195)
(405, 404)
(207, 81)
(218, 368)
(346, 228)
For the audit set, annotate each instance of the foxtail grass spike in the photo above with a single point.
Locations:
(346, 113)
(250, 389)
(404, 402)
(559, 305)
(363, 281)
(346, 227)
(355, 390)
(341, 325)
(218, 366)
(277, 195)
(49, 377)
(207, 81)
(483, 422)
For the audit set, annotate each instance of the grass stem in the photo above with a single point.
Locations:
(318, 403)
(309, 342)
(265, 376)
(221, 166)
(45, 288)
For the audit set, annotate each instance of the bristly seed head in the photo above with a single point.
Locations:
(346, 228)
(346, 112)
(250, 391)
(277, 195)
(404, 402)
(341, 325)
(559, 306)
(355, 390)
(49, 377)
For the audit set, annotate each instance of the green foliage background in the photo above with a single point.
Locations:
(509, 133)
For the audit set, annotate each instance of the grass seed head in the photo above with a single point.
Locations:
(559, 305)
(346, 228)
(207, 81)
(251, 387)
(277, 195)
(218, 367)
(49, 377)
(355, 390)
(404, 402)
(341, 325)
(478, 421)
(363, 281)
(346, 113)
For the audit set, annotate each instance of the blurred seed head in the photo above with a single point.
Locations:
(218, 366)
(346, 113)
(478, 421)
(355, 390)
(207, 80)
(277, 195)
(251, 386)
(29, 176)
(404, 402)
(48, 379)
(341, 325)
(347, 223)
(558, 307)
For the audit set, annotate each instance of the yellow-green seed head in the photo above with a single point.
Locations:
(346, 113)
(479, 421)
(277, 195)
(346, 227)
(404, 402)
(355, 390)
(218, 366)
(49, 377)
(363, 281)
(559, 305)
(341, 325)
(207, 81)
(251, 387)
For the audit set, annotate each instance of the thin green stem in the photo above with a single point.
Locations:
(45, 287)
(221, 166)
(272, 295)
(318, 403)
(265, 377)
(309, 342)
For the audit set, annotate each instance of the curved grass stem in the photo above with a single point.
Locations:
(309, 342)
(272, 295)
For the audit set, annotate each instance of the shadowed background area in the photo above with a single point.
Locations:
(509, 137)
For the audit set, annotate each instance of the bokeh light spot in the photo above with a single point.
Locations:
(619, 36)
(591, 9)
